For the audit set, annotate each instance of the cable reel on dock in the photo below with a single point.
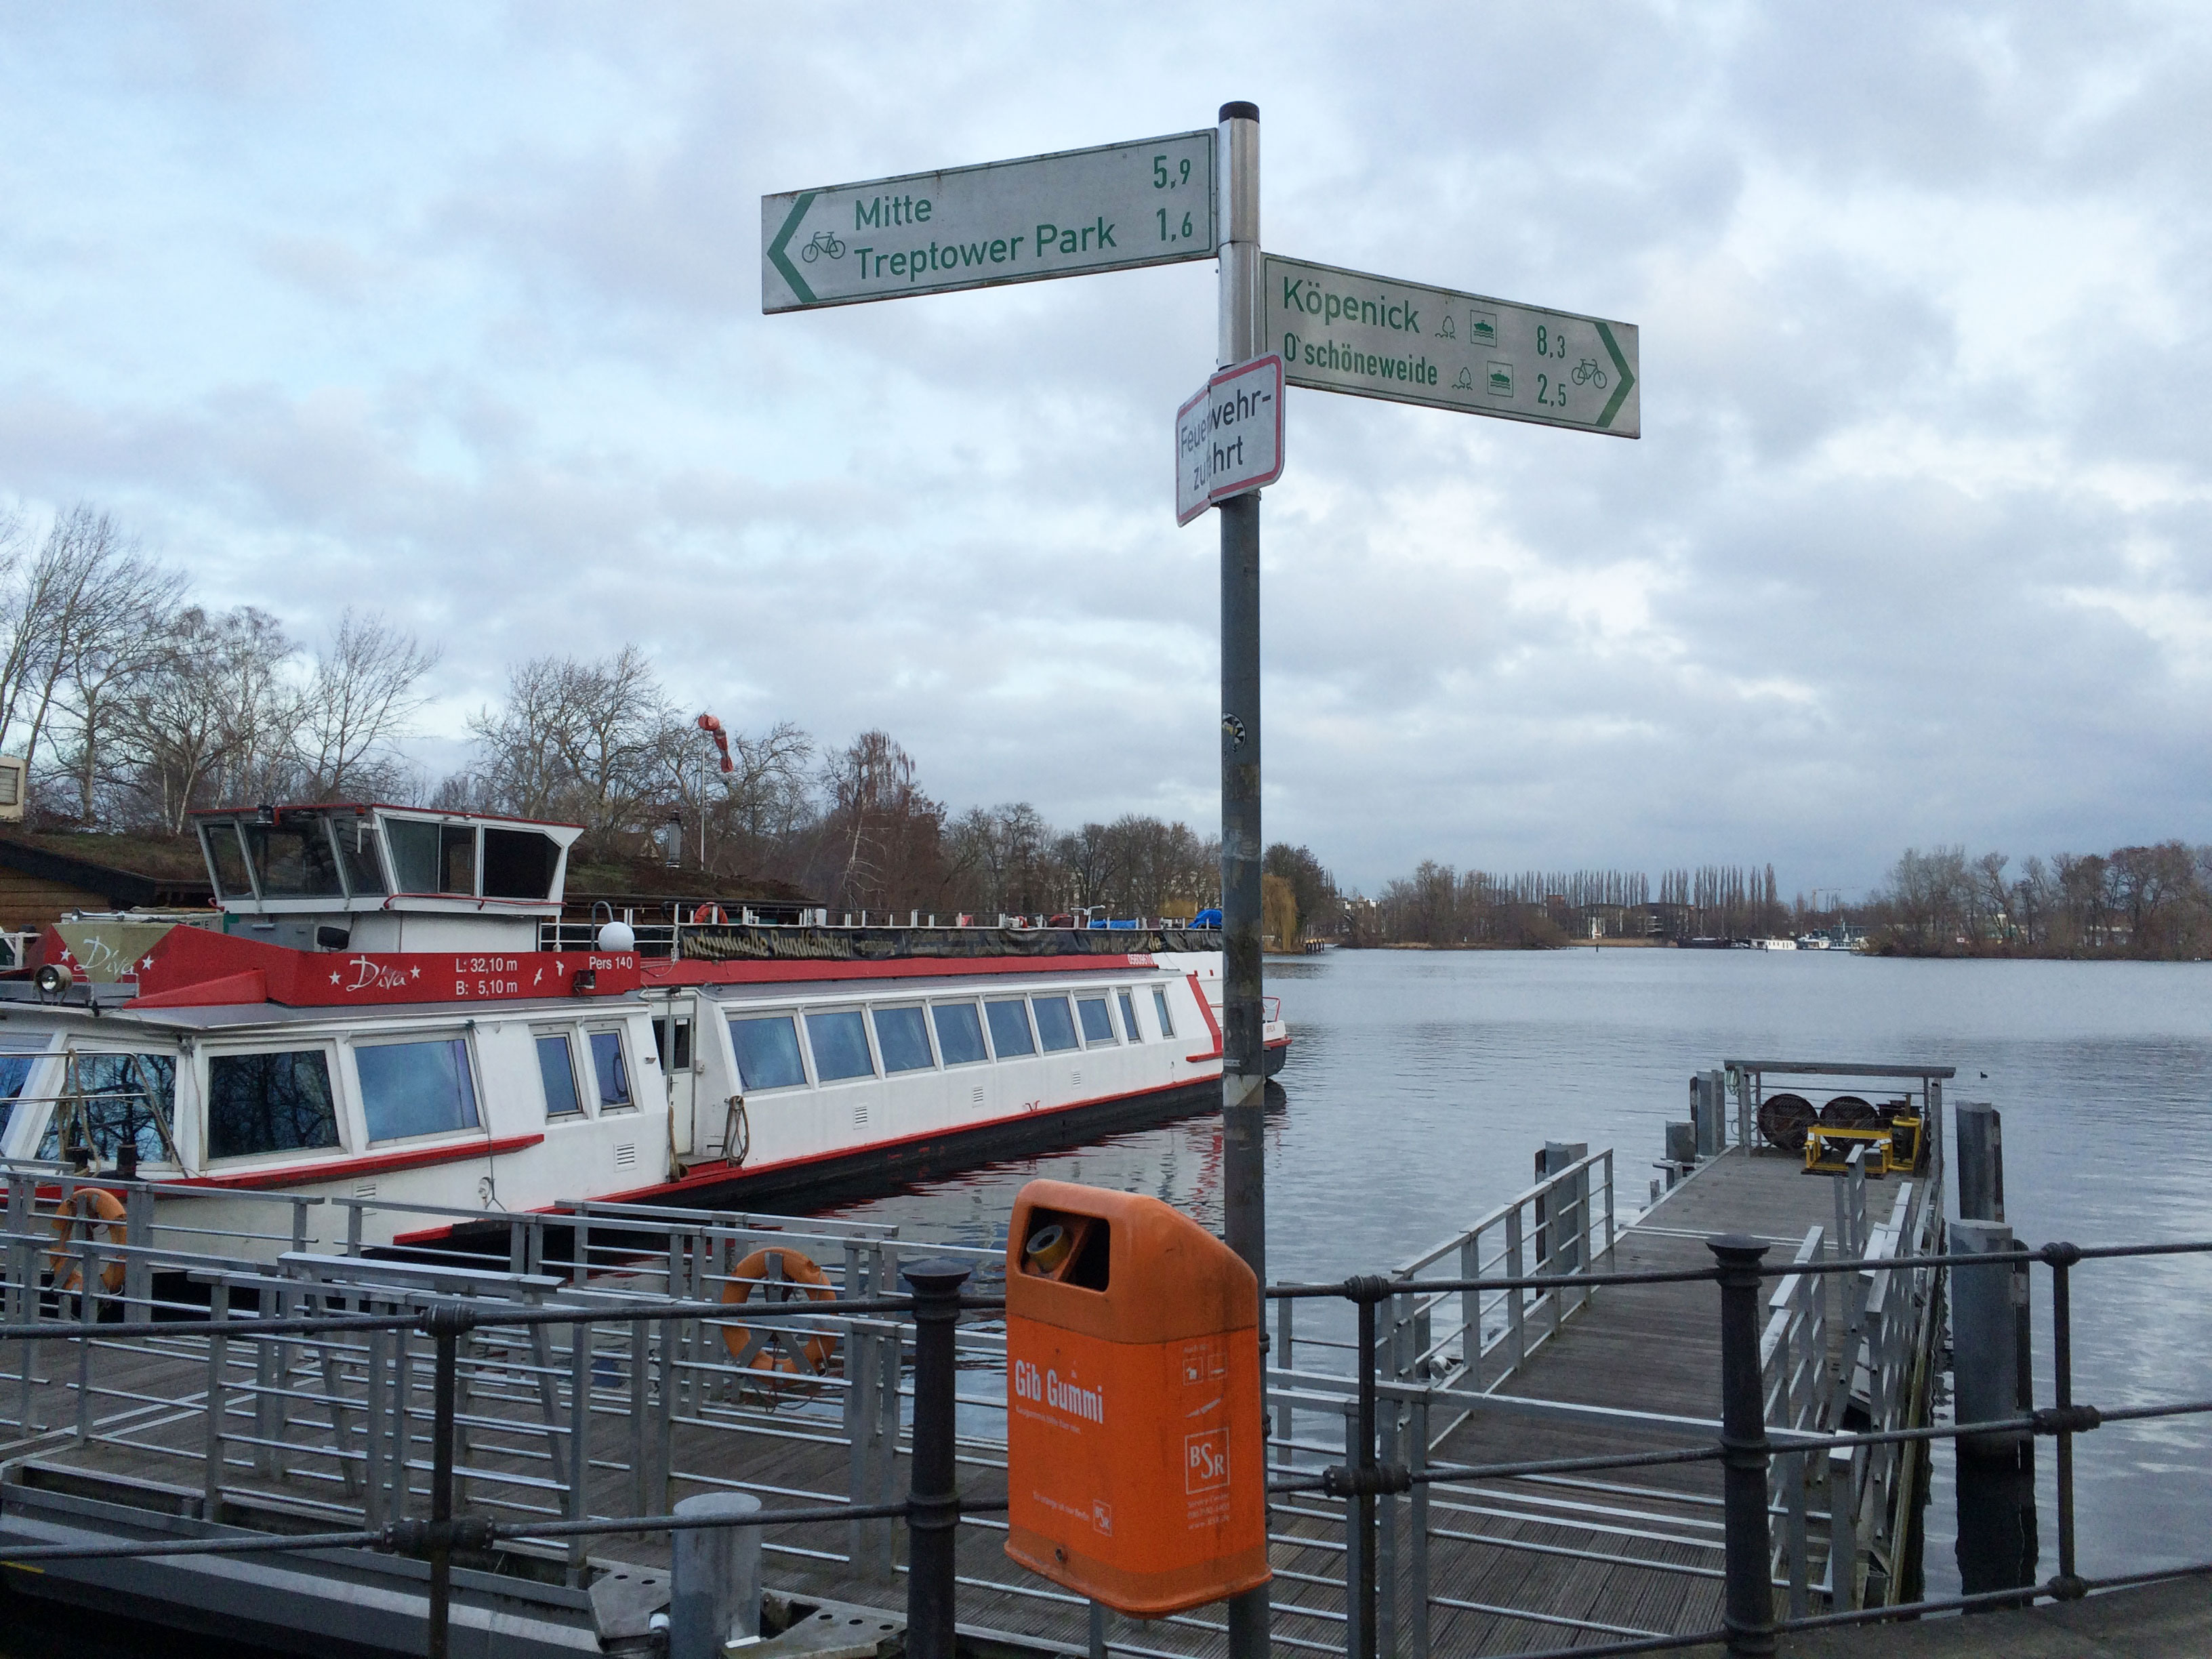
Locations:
(1783, 1119)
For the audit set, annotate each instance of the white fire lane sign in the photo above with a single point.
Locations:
(1229, 438)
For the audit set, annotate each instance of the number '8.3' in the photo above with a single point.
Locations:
(1550, 342)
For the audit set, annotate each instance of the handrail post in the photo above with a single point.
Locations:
(1365, 1292)
(932, 1503)
(445, 1322)
(2061, 1258)
(1748, 1613)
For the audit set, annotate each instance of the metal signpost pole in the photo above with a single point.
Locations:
(1243, 1052)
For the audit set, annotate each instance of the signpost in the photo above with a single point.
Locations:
(1067, 214)
(1189, 195)
(1229, 437)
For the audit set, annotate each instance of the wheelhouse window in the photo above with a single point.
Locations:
(1130, 1029)
(611, 1070)
(840, 1041)
(457, 857)
(433, 857)
(414, 853)
(410, 1089)
(1010, 1028)
(556, 1070)
(1055, 1025)
(1098, 1021)
(124, 1099)
(519, 863)
(274, 1102)
(355, 838)
(226, 856)
(959, 1033)
(767, 1046)
(1160, 1007)
(293, 857)
(903, 1040)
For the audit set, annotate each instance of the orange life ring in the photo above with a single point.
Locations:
(709, 915)
(91, 1208)
(780, 1276)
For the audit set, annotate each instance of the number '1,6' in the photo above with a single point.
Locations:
(1169, 233)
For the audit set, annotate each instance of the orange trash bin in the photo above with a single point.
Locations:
(1135, 1472)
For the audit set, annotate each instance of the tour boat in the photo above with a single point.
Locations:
(384, 1004)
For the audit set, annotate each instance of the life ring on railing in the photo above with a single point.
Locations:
(93, 1209)
(780, 1276)
(710, 916)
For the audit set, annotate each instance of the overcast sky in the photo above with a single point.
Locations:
(454, 312)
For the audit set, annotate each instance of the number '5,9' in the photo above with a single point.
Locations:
(1161, 178)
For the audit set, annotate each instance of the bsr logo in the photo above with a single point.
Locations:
(1088, 1403)
(1205, 1461)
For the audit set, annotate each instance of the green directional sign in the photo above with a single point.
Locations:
(1346, 330)
(1067, 214)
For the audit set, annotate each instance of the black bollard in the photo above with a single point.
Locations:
(446, 1323)
(932, 1502)
(1996, 1548)
(1748, 1605)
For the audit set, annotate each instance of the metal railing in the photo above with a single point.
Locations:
(559, 1400)
(1756, 1385)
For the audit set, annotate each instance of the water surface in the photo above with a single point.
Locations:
(1421, 1083)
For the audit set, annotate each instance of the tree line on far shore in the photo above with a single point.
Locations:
(2149, 902)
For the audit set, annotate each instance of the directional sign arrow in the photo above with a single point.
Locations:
(1065, 214)
(1373, 336)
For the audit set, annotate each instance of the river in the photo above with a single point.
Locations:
(1421, 1082)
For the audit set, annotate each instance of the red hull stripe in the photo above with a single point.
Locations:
(348, 1169)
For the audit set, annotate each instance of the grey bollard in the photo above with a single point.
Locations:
(1981, 1160)
(1706, 1112)
(714, 1577)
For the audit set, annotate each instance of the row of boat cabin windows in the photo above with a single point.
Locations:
(770, 1055)
(266, 1101)
(306, 855)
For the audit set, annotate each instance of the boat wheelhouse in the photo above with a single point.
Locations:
(367, 1016)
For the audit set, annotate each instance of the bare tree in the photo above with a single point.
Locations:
(366, 688)
(67, 596)
(597, 742)
(213, 719)
(882, 839)
(767, 797)
(1088, 856)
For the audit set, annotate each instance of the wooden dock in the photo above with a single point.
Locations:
(1628, 1551)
